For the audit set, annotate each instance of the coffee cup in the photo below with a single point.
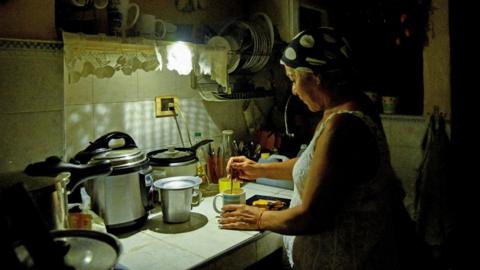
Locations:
(228, 197)
(150, 27)
(118, 15)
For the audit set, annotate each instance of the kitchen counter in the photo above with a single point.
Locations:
(157, 246)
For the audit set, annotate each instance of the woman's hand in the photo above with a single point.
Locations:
(243, 168)
(240, 217)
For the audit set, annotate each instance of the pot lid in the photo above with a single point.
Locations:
(120, 158)
(173, 153)
(89, 249)
(178, 182)
(172, 157)
(176, 156)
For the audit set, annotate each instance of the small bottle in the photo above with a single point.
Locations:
(226, 147)
(227, 142)
(201, 152)
(202, 160)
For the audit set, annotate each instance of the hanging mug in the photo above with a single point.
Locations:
(150, 27)
(118, 14)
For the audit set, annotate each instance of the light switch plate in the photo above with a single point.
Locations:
(163, 106)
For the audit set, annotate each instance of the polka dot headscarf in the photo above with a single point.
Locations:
(317, 50)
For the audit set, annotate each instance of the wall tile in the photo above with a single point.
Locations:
(119, 88)
(30, 137)
(125, 117)
(156, 83)
(80, 92)
(183, 86)
(404, 132)
(31, 82)
(79, 128)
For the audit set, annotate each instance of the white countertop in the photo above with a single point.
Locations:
(205, 247)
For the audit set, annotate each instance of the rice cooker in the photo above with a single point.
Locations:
(175, 161)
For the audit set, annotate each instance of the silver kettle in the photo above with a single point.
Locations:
(120, 198)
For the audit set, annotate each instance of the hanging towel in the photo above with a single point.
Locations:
(433, 200)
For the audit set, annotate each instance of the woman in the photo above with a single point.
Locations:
(347, 210)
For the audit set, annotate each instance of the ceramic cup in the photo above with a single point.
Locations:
(389, 104)
(119, 12)
(98, 4)
(150, 27)
(236, 197)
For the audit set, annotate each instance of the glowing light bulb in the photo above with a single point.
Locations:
(179, 58)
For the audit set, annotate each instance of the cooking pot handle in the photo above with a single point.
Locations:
(101, 145)
(200, 143)
(53, 165)
(82, 173)
(103, 141)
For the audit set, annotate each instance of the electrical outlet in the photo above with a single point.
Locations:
(166, 106)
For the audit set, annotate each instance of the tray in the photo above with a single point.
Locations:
(268, 198)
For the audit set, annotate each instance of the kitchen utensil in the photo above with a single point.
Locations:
(176, 161)
(47, 182)
(237, 196)
(25, 239)
(118, 15)
(150, 27)
(176, 193)
(89, 249)
(120, 198)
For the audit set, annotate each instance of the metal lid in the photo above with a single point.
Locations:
(122, 158)
(172, 154)
(89, 249)
(178, 182)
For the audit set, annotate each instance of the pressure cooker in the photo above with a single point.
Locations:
(120, 198)
(48, 184)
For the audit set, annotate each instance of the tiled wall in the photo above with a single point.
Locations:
(124, 103)
(35, 105)
(31, 102)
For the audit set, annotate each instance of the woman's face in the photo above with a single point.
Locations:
(306, 86)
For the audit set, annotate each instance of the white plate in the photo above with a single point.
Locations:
(233, 57)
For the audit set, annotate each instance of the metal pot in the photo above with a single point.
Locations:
(47, 181)
(176, 193)
(120, 198)
(176, 161)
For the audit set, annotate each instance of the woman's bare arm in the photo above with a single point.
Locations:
(245, 168)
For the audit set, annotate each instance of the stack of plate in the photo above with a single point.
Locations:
(249, 43)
